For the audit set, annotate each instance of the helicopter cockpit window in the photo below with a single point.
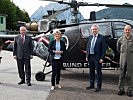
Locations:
(118, 29)
(105, 29)
(85, 30)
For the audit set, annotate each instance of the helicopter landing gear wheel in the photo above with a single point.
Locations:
(40, 76)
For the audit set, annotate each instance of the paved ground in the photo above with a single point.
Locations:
(74, 84)
(9, 90)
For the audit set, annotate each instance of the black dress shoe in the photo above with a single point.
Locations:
(21, 82)
(90, 87)
(129, 94)
(120, 92)
(28, 83)
(98, 90)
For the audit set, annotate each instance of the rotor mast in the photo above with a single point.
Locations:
(76, 15)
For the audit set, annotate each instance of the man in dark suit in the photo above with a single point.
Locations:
(96, 49)
(22, 52)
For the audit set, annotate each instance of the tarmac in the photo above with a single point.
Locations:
(73, 82)
(9, 88)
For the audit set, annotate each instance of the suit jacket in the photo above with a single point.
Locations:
(52, 48)
(100, 47)
(21, 50)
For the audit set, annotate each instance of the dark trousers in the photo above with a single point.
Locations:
(24, 64)
(56, 70)
(95, 65)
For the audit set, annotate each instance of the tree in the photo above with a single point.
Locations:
(13, 13)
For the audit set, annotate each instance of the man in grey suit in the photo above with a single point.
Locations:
(22, 52)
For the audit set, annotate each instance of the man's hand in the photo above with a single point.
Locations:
(86, 59)
(58, 52)
(101, 61)
(15, 57)
(31, 56)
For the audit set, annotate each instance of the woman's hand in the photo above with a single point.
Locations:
(58, 52)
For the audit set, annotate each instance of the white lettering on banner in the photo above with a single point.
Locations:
(76, 65)
(85, 64)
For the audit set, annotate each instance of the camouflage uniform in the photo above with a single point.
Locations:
(125, 47)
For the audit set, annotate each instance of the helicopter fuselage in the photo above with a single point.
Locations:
(76, 35)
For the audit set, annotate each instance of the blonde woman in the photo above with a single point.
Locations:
(57, 49)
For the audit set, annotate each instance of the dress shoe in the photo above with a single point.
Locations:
(98, 89)
(129, 94)
(21, 82)
(121, 92)
(28, 83)
(90, 87)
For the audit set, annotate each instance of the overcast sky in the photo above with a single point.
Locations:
(32, 5)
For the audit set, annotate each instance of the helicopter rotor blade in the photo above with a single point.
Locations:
(106, 5)
(117, 5)
(74, 3)
(54, 0)
(61, 2)
(71, 4)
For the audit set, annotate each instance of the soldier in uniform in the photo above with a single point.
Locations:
(125, 48)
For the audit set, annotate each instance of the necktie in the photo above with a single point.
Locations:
(92, 45)
(22, 39)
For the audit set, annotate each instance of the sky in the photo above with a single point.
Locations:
(31, 6)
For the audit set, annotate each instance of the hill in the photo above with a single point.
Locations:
(41, 11)
(115, 13)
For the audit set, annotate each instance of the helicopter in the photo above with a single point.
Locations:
(75, 36)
